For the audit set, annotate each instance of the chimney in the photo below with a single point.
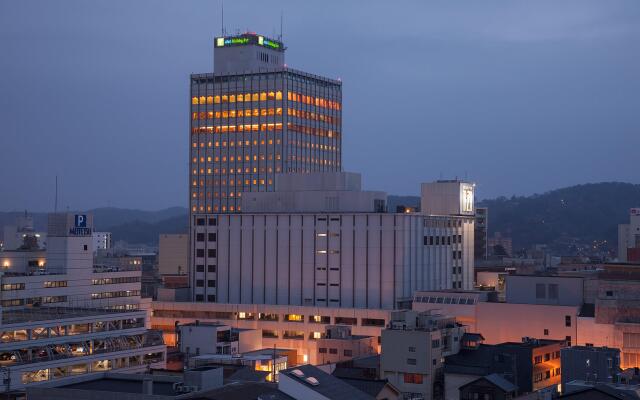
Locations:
(147, 385)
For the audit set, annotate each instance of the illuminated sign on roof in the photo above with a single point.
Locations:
(248, 39)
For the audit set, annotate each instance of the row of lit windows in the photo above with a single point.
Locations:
(308, 130)
(312, 116)
(264, 112)
(238, 128)
(216, 208)
(239, 171)
(33, 301)
(295, 143)
(110, 295)
(316, 101)
(263, 96)
(113, 281)
(255, 112)
(240, 97)
(233, 143)
(239, 158)
(55, 284)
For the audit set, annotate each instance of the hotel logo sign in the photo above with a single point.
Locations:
(80, 226)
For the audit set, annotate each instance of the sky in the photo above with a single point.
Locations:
(520, 97)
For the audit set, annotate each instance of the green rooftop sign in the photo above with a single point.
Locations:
(247, 39)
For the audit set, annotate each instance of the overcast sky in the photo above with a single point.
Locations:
(519, 96)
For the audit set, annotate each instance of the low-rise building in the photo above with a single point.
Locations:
(530, 365)
(413, 348)
(591, 364)
(338, 344)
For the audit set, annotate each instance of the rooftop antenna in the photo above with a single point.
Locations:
(222, 8)
(55, 203)
(281, 18)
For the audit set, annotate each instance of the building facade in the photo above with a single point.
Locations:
(66, 317)
(413, 349)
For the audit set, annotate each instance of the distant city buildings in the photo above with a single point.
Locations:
(101, 241)
(629, 238)
(481, 234)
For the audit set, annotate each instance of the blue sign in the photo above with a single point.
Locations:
(81, 221)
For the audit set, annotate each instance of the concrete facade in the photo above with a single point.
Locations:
(360, 260)
(173, 254)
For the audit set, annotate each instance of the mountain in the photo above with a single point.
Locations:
(576, 214)
(130, 225)
(581, 213)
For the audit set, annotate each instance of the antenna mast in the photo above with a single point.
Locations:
(281, 17)
(222, 7)
(55, 203)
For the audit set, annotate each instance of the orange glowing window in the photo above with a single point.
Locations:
(255, 97)
(202, 100)
(194, 100)
(240, 98)
(225, 98)
(278, 95)
(232, 98)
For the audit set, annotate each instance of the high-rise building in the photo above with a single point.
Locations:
(254, 117)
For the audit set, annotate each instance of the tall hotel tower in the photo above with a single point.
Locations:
(253, 118)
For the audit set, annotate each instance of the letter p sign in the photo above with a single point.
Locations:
(81, 221)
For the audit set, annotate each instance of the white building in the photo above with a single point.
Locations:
(101, 241)
(66, 317)
(629, 238)
(413, 350)
(342, 252)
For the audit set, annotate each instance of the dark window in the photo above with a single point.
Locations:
(411, 361)
(199, 297)
(211, 268)
(199, 268)
(212, 222)
(200, 283)
(85, 247)
(437, 240)
(567, 320)
(211, 297)
(322, 350)
(200, 253)
(346, 320)
(546, 332)
(333, 351)
(212, 237)
(199, 237)
(541, 292)
(211, 253)
(211, 283)
(348, 353)
(200, 221)
(426, 240)
(609, 293)
(568, 339)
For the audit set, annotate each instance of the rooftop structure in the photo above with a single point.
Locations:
(309, 382)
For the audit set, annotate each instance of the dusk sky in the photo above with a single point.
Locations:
(519, 96)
